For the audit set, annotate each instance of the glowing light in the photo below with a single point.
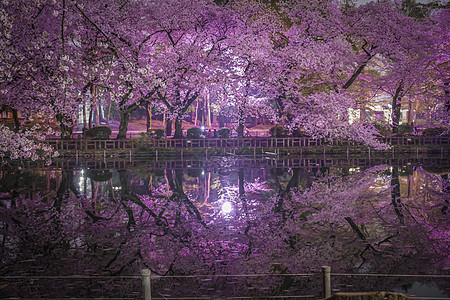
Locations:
(227, 207)
(202, 128)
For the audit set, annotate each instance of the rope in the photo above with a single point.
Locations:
(71, 277)
(242, 297)
(222, 275)
(230, 275)
(393, 275)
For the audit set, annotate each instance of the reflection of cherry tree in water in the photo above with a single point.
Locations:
(395, 234)
(354, 223)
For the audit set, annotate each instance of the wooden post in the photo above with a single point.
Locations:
(326, 281)
(147, 293)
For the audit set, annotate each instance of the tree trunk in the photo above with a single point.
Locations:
(283, 194)
(84, 117)
(178, 128)
(16, 119)
(395, 195)
(196, 113)
(207, 187)
(410, 113)
(179, 196)
(396, 107)
(221, 122)
(66, 131)
(355, 75)
(363, 116)
(124, 120)
(96, 115)
(109, 113)
(67, 184)
(149, 117)
(168, 127)
(101, 112)
(208, 110)
(240, 130)
(126, 194)
(90, 116)
(360, 67)
(447, 94)
(241, 182)
(446, 192)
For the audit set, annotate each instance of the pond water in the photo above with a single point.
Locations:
(225, 216)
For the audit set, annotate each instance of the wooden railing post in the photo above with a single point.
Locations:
(146, 287)
(326, 281)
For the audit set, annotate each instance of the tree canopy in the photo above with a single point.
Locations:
(304, 64)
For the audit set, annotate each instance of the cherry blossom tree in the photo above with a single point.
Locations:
(305, 82)
(400, 49)
(304, 63)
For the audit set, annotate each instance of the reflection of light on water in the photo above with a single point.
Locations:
(81, 179)
(227, 208)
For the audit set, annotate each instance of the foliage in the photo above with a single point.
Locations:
(153, 134)
(383, 129)
(405, 129)
(278, 131)
(303, 63)
(98, 133)
(435, 131)
(299, 132)
(96, 175)
(194, 133)
(25, 145)
(223, 133)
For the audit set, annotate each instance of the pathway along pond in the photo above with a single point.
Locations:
(224, 216)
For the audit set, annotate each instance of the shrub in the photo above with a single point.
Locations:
(384, 130)
(194, 133)
(194, 172)
(435, 131)
(99, 175)
(299, 133)
(98, 133)
(223, 133)
(405, 129)
(153, 134)
(277, 131)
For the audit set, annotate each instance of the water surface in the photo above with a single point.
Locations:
(225, 216)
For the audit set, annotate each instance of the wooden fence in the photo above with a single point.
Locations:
(116, 163)
(232, 143)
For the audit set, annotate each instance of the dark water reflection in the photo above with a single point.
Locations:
(224, 218)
